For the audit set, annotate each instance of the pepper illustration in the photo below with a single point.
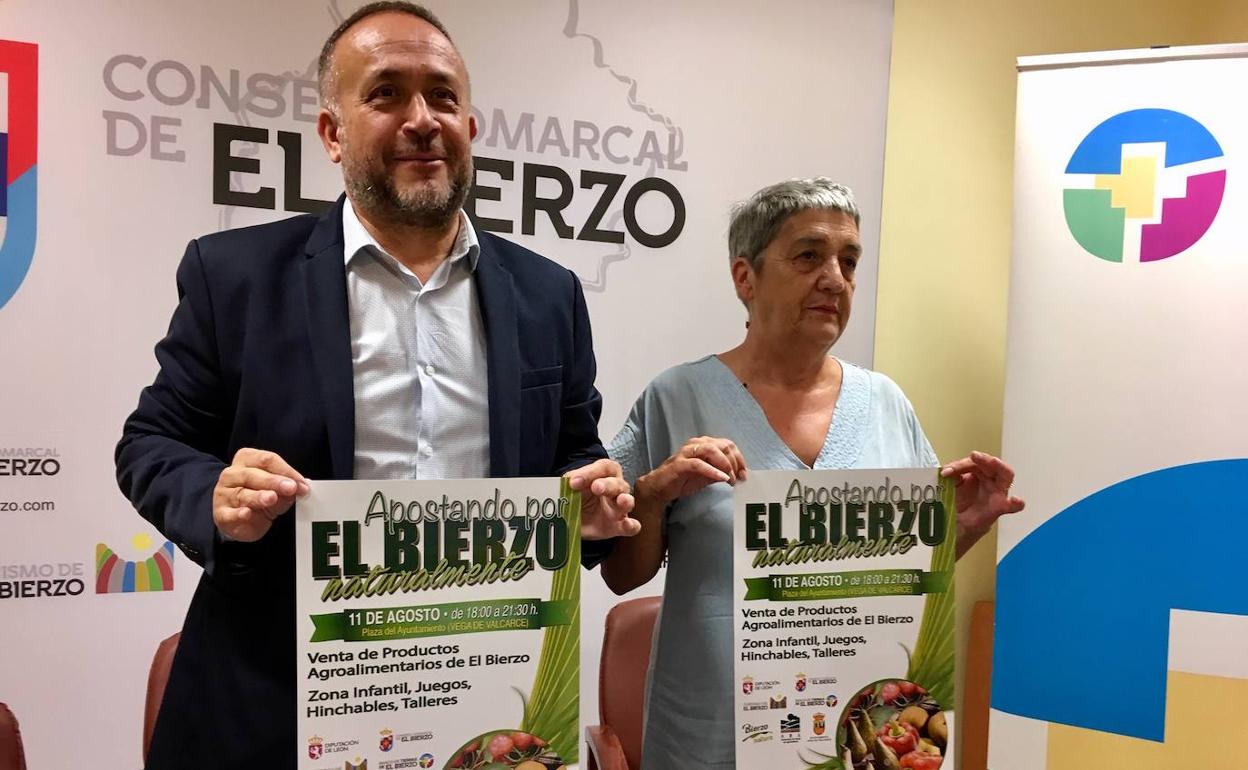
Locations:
(917, 760)
(899, 736)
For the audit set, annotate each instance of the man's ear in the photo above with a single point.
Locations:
(327, 128)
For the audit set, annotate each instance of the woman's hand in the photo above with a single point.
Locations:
(702, 461)
(982, 495)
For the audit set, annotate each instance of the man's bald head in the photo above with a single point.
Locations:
(326, 72)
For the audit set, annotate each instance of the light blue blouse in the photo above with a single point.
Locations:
(689, 690)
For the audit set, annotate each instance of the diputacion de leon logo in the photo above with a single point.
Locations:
(19, 121)
(1144, 185)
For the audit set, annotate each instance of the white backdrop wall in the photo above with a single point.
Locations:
(715, 99)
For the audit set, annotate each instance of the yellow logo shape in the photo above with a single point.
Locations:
(1190, 743)
(1133, 189)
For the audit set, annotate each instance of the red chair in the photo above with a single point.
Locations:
(157, 678)
(615, 744)
(12, 755)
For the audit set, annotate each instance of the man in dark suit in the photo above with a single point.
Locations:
(383, 339)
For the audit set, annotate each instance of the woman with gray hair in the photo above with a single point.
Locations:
(779, 401)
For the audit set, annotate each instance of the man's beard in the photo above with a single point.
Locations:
(429, 206)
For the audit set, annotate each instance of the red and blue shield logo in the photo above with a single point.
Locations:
(19, 123)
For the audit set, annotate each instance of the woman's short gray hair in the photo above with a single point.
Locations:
(756, 221)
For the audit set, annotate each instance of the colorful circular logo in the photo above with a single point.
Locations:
(426, 760)
(19, 171)
(1146, 185)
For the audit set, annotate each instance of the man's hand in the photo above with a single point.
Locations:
(605, 501)
(982, 495)
(702, 461)
(253, 491)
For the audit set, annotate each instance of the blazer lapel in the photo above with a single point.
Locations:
(496, 292)
(329, 330)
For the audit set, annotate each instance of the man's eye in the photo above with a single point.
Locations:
(445, 95)
(383, 92)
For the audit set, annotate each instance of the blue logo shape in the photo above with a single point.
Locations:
(1187, 141)
(1083, 603)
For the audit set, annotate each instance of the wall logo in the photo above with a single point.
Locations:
(19, 122)
(358, 764)
(387, 740)
(747, 685)
(600, 185)
(1156, 182)
(426, 760)
(39, 579)
(114, 575)
(316, 747)
(29, 461)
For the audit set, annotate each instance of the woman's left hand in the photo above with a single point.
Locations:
(982, 495)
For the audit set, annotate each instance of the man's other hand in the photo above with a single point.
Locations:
(254, 490)
(605, 501)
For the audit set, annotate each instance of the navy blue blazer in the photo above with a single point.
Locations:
(258, 354)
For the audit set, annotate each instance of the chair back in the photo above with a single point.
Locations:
(12, 755)
(157, 678)
(622, 675)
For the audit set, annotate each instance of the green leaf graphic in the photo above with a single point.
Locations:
(932, 661)
(553, 710)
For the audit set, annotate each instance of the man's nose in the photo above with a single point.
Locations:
(420, 119)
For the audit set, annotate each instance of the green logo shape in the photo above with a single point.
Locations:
(1095, 223)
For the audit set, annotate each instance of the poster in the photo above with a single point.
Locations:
(843, 618)
(438, 624)
(1125, 418)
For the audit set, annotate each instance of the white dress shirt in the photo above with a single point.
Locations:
(418, 361)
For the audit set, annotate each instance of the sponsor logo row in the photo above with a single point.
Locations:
(320, 748)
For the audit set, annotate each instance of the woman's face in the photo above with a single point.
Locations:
(804, 286)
